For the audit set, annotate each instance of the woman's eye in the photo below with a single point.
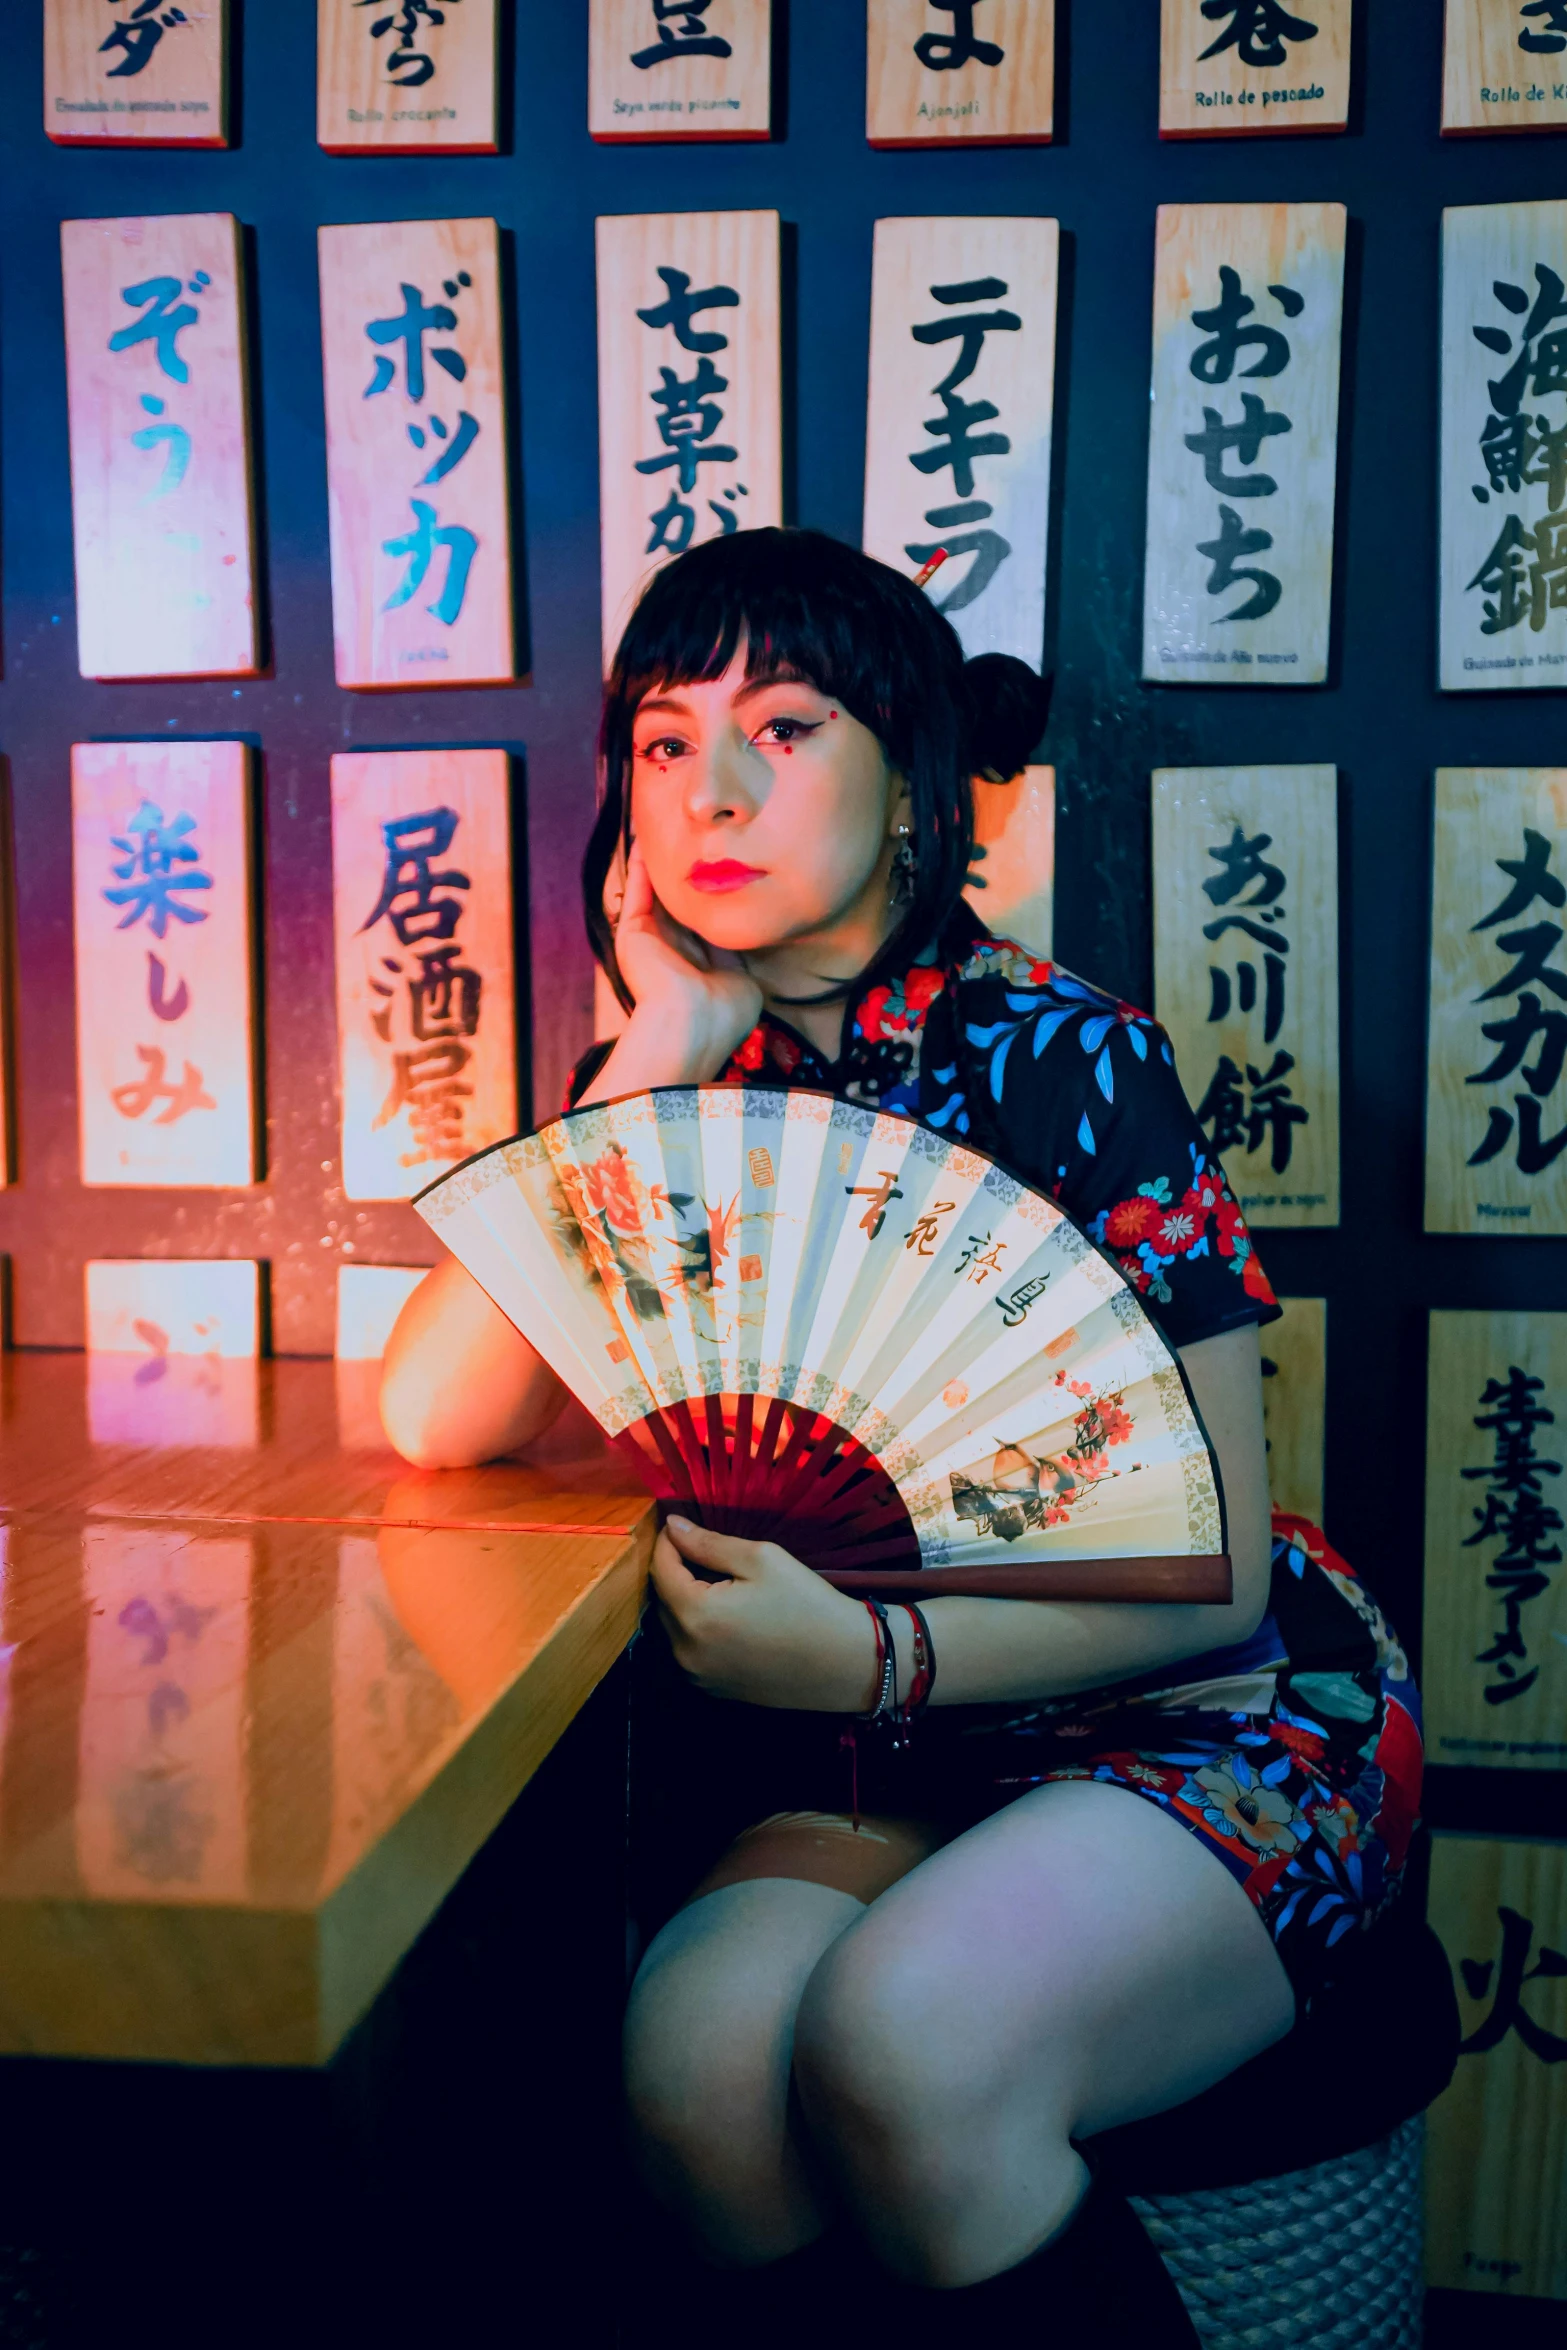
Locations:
(786, 730)
(662, 748)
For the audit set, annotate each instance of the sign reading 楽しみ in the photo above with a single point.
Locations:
(957, 445)
(1504, 65)
(1242, 451)
(421, 886)
(164, 1034)
(416, 453)
(1245, 865)
(1504, 446)
(160, 446)
(690, 438)
(1496, 1106)
(1231, 66)
(680, 69)
(980, 71)
(135, 73)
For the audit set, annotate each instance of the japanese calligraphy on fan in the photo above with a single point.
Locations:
(135, 73)
(978, 72)
(1231, 66)
(1504, 447)
(1504, 65)
(957, 440)
(1243, 446)
(1245, 863)
(679, 69)
(406, 77)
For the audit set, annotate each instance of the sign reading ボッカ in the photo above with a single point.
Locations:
(406, 77)
(680, 69)
(1504, 65)
(942, 71)
(1231, 66)
(135, 73)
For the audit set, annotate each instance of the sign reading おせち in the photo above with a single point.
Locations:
(421, 885)
(164, 1038)
(1245, 864)
(135, 73)
(405, 77)
(416, 453)
(1243, 446)
(1504, 446)
(690, 434)
(1504, 65)
(160, 446)
(957, 443)
(680, 69)
(1231, 66)
(979, 71)
(1496, 1106)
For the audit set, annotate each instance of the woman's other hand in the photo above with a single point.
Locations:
(772, 1634)
(694, 1003)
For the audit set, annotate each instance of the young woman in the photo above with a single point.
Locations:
(1125, 1842)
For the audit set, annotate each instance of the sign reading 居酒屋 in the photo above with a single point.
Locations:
(973, 72)
(1504, 66)
(679, 69)
(135, 73)
(1227, 67)
(403, 77)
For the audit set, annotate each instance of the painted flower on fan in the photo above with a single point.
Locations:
(899, 1008)
(1234, 1800)
(615, 1188)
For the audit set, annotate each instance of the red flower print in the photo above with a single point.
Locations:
(921, 989)
(1116, 1421)
(1130, 1221)
(612, 1188)
(786, 1054)
(1255, 1281)
(750, 1052)
(1305, 1745)
(871, 1012)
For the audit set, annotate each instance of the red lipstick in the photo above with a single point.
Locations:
(724, 874)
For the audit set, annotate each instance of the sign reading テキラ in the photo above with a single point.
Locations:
(680, 69)
(1504, 446)
(421, 886)
(160, 446)
(406, 77)
(1232, 66)
(1496, 1106)
(164, 1035)
(416, 453)
(1504, 65)
(978, 71)
(1294, 1404)
(1245, 866)
(690, 436)
(1494, 1648)
(135, 73)
(957, 443)
(1243, 444)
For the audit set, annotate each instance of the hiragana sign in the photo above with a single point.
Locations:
(973, 72)
(1504, 65)
(136, 73)
(406, 77)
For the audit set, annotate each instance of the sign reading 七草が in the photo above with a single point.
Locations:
(160, 446)
(1242, 451)
(957, 444)
(1496, 1106)
(690, 439)
(406, 77)
(421, 886)
(164, 1033)
(680, 69)
(1231, 66)
(1504, 446)
(135, 73)
(978, 71)
(1504, 65)
(416, 453)
(1245, 863)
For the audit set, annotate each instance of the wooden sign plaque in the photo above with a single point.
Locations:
(1496, 2139)
(1243, 445)
(1504, 434)
(421, 886)
(1496, 1106)
(1494, 1647)
(690, 434)
(165, 1038)
(679, 69)
(1012, 886)
(136, 73)
(1294, 1404)
(417, 497)
(1227, 67)
(1504, 66)
(396, 79)
(171, 1351)
(963, 333)
(160, 446)
(1245, 869)
(941, 71)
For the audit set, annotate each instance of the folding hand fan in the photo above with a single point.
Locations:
(821, 1325)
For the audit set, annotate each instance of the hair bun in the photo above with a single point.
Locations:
(1007, 704)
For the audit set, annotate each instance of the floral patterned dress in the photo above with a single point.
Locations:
(1295, 1756)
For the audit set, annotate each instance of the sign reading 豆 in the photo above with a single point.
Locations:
(1245, 863)
(1242, 453)
(136, 73)
(1231, 66)
(1504, 65)
(1496, 1106)
(957, 444)
(690, 442)
(679, 69)
(981, 72)
(406, 77)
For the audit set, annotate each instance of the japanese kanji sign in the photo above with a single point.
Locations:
(1496, 2139)
(1504, 65)
(680, 69)
(957, 441)
(1012, 879)
(171, 1350)
(690, 439)
(1494, 1652)
(160, 446)
(136, 73)
(981, 71)
(406, 77)
(1504, 446)
(1245, 874)
(1496, 1106)
(165, 1042)
(1243, 443)
(1294, 1404)
(416, 453)
(1231, 66)
(421, 884)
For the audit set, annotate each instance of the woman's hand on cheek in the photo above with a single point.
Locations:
(772, 1634)
(693, 1004)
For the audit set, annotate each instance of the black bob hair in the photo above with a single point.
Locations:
(808, 606)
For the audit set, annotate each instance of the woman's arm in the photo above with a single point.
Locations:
(459, 1383)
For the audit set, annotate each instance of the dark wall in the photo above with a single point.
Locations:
(1379, 718)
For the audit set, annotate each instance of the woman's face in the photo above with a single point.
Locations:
(764, 811)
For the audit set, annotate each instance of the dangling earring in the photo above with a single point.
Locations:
(904, 865)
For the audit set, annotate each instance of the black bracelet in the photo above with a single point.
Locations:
(887, 1663)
